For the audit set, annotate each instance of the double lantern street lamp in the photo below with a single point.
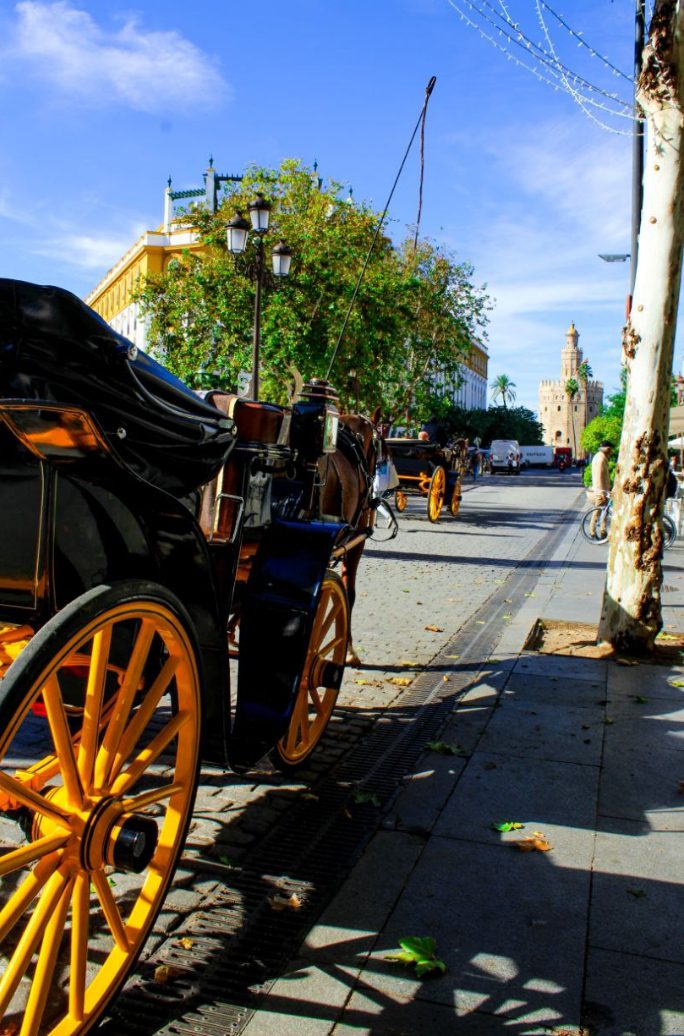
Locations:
(237, 232)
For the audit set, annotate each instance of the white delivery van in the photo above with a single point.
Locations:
(536, 456)
(505, 456)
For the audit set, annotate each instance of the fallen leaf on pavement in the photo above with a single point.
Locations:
(368, 683)
(676, 683)
(187, 943)
(640, 700)
(400, 681)
(408, 662)
(279, 902)
(507, 825)
(445, 748)
(421, 951)
(535, 843)
(636, 893)
(452, 656)
(434, 629)
(163, 973)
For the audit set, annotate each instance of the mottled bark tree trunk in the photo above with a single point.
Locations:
(631, 616)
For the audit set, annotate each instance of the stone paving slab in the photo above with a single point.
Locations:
(563, 667)
(657, 724)
(553, 690)
(629, 995)
(641, 785)
(637, 894)
(558, 799)
(652, 681)
(535, 730)
(509, 927)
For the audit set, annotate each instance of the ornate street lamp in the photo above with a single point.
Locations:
(237, 232)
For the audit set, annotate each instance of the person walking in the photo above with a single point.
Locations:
(600, 485)
(476, 464)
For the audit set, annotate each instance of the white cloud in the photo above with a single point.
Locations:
(82, 250)
(150, 71)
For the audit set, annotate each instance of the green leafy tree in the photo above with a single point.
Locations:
(498, 422)
(503, 388)
(416, 315)
(607, 426)
(584, 374)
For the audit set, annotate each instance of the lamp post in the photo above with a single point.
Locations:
(237, 233)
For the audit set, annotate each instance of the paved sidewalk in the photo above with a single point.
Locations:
(589, 753)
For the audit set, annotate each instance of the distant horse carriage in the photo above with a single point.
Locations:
(431, 471)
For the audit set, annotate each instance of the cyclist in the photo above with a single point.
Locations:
(600, 484)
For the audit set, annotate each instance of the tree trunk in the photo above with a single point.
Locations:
(631, 615)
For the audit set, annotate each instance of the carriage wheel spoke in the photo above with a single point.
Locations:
(149, 798)
(110, 910)
(124, 702)
(136, 727)
(21, 958)
(149, 754)
(95, 692)
(24, 895)
(45, 966)
(315, 698)
(61, 737)
(27, 854)
(18, 791)
(327, 649)
(80, 916)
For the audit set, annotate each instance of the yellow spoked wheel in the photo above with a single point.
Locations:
(435, 500)
(319, 685)
(99, 753)
(400, 500)
(455, 502)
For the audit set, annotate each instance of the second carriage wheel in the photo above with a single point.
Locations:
(99, 754)
(435, 498)
(317, 694)
(455, 502)
(400, 500)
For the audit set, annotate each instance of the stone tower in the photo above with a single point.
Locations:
(565, 419)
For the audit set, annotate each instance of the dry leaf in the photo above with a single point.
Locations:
(408, 662)
(308, 796)
(279, 902)
(434, 629)
(535, 843)
(369, 683)
(446, 679)
(451, 656)
(400, 681)
(346, 813)
(162, 974)
(187, 943)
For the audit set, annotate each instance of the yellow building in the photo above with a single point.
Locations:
(151, 254)
(564, 419)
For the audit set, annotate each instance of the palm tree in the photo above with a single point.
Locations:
(584, 373)
(571, 390)
(504, 387)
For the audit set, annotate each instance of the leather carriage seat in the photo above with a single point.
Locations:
(255, 421)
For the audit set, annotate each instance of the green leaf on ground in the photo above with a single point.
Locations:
(507, 825)
(362, 797)
(636, 893)
(676, 683)
(530, 595)
(421, 951)
(445, 748)
(639, 699)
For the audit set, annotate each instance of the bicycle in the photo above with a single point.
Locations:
(604, 513)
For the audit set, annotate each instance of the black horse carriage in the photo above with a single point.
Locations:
(429, 470)
(118, 583)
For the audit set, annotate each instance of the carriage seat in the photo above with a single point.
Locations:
(255, 421)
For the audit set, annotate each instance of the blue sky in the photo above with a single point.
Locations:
(102, 102)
